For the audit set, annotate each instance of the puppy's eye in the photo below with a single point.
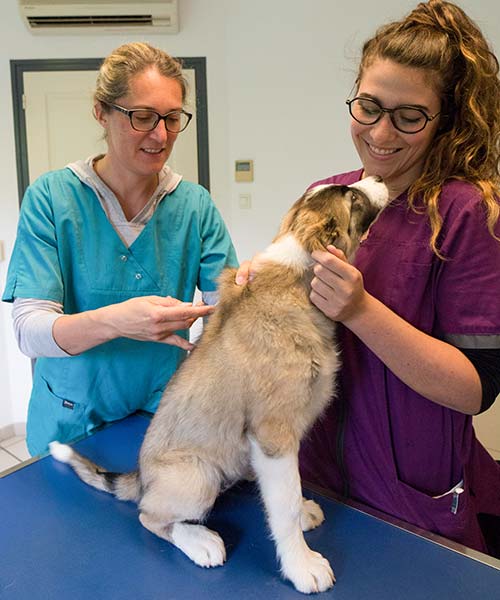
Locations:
(359, 201)
(355, 201)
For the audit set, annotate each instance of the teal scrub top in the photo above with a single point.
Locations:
(67, 251)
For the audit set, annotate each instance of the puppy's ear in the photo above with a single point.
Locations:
(336, 236)
(326, 233)
(323, 233)
(363, 212)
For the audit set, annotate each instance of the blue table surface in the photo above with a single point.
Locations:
(61, 539)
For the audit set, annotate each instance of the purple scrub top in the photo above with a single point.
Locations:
(380, 442)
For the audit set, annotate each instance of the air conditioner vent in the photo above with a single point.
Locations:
(103, 16)
(93, 21)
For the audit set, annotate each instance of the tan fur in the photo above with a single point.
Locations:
(260, 376)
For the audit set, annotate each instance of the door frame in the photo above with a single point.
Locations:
(19, 67)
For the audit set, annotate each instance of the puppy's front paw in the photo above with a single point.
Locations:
(310, 572)
(311, 515)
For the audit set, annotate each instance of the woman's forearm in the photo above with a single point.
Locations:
(433, 368)
(146, 318)
(80, 332)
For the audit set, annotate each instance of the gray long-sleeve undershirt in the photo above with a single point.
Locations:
(33, 319)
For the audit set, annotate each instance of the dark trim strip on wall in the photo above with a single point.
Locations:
(199, 65)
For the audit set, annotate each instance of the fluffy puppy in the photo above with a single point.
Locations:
(261, 374)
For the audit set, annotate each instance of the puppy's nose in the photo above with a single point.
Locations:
(378, 179)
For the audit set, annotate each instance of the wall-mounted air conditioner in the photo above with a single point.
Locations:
(107, 16)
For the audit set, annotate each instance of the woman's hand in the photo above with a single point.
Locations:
(244, 273)
(156, 318)
(434, 369)
(146, 318)
(337, 286)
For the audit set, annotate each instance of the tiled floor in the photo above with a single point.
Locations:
(12, 452)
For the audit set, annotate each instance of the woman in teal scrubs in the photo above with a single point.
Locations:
(108, 254)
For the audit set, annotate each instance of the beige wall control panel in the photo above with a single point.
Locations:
(243, 170)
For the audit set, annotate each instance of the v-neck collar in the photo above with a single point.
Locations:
(127, 230)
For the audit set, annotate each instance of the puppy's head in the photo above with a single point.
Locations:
(335, 214)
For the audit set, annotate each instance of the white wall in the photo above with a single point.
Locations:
(278, 73)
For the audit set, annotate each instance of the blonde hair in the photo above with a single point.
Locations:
(129, 60)
(440, 38)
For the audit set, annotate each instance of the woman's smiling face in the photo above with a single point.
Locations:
(142, 153)
(397, 157)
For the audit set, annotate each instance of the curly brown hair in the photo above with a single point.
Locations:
(439, 37)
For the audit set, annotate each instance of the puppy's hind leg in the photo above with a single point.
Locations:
(178, 494)
(202, 545)
(311, 515)
(279, 481)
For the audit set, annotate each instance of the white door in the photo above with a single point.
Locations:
(60, 127)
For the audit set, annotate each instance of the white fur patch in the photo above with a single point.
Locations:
(279, 481)
(61, 452)
(203, 546)
(287, 251)
(376, 190)
(311, 515)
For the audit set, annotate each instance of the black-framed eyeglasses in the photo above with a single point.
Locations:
(407, 119)
(142, 119)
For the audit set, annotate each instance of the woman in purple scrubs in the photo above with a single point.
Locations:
(420, 307)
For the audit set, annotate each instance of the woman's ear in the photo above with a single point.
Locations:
(100, 114)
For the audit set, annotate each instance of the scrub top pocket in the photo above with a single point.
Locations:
(52, 417)
(451, 514)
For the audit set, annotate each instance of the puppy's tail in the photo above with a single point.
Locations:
(124, 486)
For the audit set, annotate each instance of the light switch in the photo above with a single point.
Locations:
(245, 201)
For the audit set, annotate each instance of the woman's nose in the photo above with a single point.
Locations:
(160, 131)
(383, 128)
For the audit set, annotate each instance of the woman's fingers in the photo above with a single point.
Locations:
(155, 317)
(177, 340)
(244, 273)
(337, 287)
